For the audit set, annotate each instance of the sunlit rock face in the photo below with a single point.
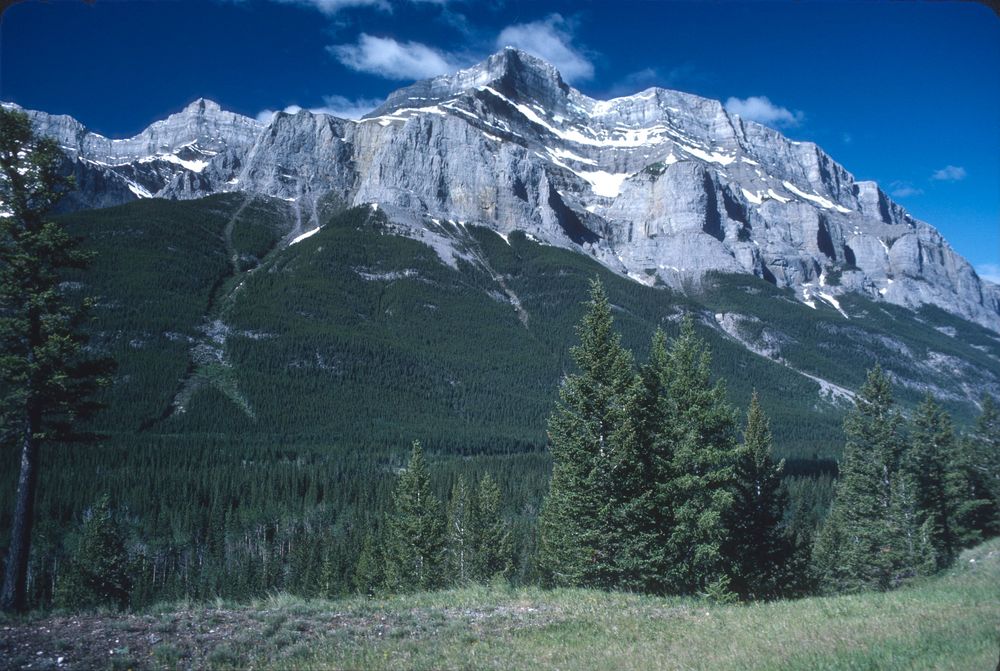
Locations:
(660, 186)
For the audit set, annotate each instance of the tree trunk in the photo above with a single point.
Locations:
(14, 597)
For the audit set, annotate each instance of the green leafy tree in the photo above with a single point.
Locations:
(415, 531)
(492, 537)
(873, 537)
(101, 571)
(46, 381)
(586, 439)
(757, 544)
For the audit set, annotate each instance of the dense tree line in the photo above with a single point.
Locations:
(652, 491)
(669, 493)
(651, 488)
(905, 504)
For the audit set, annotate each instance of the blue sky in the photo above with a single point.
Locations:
(907, 94)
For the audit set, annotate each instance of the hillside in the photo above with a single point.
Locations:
(277, 385)
(359, 336)
(949, 622)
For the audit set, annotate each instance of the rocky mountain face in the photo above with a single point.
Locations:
(660, 186)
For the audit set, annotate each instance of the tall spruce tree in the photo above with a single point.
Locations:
(463, 518)
(872, 537)
(696, 481)
(415, 531)
(588, 432)
(46, 381)
(757, 545)
(981, 452)
(940, 472)
(492, 537)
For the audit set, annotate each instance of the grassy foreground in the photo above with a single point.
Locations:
(950, 622)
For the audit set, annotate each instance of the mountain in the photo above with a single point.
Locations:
(662, 187)
(359, 338)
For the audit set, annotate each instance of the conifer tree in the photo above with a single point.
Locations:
(369, 573)
(585, 438)
(415, 531)
(462, 521)
(46, 381)
(101, 570)
(935, 464)
(981, 454)
(645, 521)
(757, 543)
(696, 482)
(872, 538)
(492, 538)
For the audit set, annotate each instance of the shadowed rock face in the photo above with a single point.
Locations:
(660, 180)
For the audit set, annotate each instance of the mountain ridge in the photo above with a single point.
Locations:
(660, 186)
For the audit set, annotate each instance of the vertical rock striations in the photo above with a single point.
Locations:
(660, 185)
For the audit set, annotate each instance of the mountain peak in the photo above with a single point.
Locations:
(515, 73)
(202, 105)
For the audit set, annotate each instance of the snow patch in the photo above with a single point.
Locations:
(605, 183)
(570, 156)
(305, 235)
(193, 166)
(753, 197)
(807, 298)
(138, 190)
(713, 157)
(832, 301)
(819, 200)
(780, 199)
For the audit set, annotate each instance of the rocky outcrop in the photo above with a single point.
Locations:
(660, 185)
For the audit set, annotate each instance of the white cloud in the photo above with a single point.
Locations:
(762, 110)
(949, 173)
(333, 6)
(388, 58)
(904, 190)
(989, 272)
(346, 108)
(337, 106)
(549, 40)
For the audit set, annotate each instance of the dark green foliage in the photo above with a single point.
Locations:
(101, 570)
(47, 377)
(337, 351)
(981, 458)
(588, 433)
(936, 464)
(491, 533)
(697, 480)
(758, 544)
(874, 537)
(369, 574)
(415, 531)
(463, 519)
